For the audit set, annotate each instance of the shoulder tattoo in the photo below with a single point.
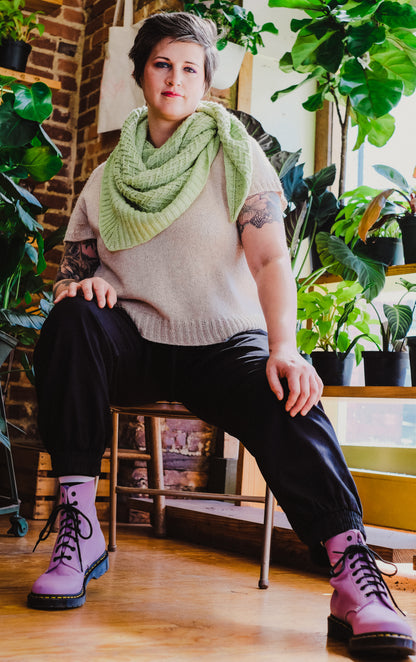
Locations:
(260, 209)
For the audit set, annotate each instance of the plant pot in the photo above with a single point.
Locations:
(334, 369)
(229, 62)
(385, 368)
(411, 343)
(14, 54)
(407, 225)
(388, 250)
(7, 344)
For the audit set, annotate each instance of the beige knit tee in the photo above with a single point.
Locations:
(190, 284)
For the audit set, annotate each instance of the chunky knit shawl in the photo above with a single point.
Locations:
(145, 189)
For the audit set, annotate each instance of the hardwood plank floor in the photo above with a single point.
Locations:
(169, 601)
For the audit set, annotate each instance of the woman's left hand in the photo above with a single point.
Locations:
(304, 384)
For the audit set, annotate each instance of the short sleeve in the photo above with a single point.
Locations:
(83, 223)
(264, 177)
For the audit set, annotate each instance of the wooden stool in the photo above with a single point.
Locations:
(152, 414)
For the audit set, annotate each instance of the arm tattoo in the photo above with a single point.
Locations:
(260, 209)
(80, 260)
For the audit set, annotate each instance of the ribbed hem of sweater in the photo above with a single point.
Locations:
(191, 332)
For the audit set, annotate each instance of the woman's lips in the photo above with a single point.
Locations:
(171, 94)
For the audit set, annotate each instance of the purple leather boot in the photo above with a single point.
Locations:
(79, 553)
(363, 611)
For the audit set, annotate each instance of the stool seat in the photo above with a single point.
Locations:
(152, 413)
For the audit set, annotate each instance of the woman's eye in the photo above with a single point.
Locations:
(190, 70)
(161, 65)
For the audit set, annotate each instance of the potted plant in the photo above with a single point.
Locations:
(238, 33)
(361, 56)
(25, 150)
(387, 366)
(383, 242)
(331, 315)
(16, 31)
(402, 209)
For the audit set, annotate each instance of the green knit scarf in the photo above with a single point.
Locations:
(145, 189)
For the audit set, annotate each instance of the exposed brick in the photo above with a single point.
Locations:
(59, 29)
(59, 134)
(67, 66)
(68, 83)
(73, 15)
(67, 49)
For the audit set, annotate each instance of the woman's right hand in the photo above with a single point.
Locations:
(89, 288)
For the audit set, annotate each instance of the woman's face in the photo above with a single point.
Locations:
(173, 81)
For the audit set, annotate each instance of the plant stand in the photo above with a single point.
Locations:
(9, 504)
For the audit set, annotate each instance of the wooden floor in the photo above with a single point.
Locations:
(165, 600)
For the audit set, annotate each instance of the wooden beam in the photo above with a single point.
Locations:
(29, 78)
(47, 6)
(323, 136)
(245, 83)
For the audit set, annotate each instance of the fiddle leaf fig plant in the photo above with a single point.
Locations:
(235, 23)
(362, 56)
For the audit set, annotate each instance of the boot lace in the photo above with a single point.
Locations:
(70, 531)
(366, 573)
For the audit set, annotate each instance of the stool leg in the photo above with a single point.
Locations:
(112, 544)
(154, 440)
(267, 539)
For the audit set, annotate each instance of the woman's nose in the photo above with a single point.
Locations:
(174, 77)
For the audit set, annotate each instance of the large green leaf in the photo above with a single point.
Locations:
(341, 260)
(14, 130)
(400, 66)
(396, 15)
(393, 176)
(330, 53)
(362, 37)
(322, 179)
(20, 318)
(14, 191)
(369, 94)
(378, 131)
(297, 4)
(399, 318)
(362, 9)
(42, 163)
(304, 51)
(34, 102)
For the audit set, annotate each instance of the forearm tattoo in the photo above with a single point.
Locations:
(80, 260)
(260, 209)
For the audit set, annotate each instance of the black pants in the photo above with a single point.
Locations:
(87, 357)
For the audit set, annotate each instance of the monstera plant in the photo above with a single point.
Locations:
(26, 153)
(362, 56)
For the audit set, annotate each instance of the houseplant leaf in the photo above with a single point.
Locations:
(370, 95)
(399, 318)
(372, 213)
(33, 103)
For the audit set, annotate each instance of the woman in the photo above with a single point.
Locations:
(176, 284)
